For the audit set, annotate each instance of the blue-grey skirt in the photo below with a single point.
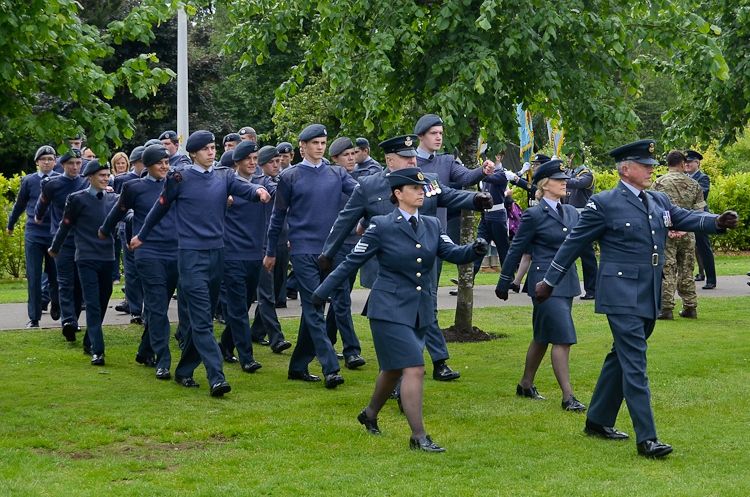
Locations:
(397, 346)
(553, 322)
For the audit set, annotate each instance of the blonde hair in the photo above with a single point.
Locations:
(539, 184)
(117, 157)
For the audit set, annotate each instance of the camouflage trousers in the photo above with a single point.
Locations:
(679, 264)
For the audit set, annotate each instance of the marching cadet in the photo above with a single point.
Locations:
(75, 142)
(631, 225)
(201, 193)
(704, 254)
(679, 253)
(286, 154)
(370, 199)
(248, 134)
(53, 197)
(309, 197)
(366, 165)
(401, 306)
(154, 259)
(84, 212)
(37, 237)
(171, 141)
(231, 141)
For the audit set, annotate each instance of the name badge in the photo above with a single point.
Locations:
(667, 219)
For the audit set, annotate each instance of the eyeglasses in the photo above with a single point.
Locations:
(46, 160)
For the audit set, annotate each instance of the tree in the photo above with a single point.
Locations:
(470, 61)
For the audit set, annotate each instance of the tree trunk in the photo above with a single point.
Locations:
(465, 302)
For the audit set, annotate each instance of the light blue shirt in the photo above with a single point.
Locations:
(694, 174)
(408, 216)
(92, 191)
(307, 163)
(633, 189)
(552, 203)
(425, 155)
(199, 169)
(151, 178)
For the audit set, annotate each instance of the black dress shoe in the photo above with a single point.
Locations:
(280, 305)
(709, 286)
(34, 323)
(54, 311)
(262, 341)
(291, 294)
(280, 347)
(87, 351)
(653, 448)
(146, 361)
(515, 288)
(220, 319)
(370, 424)
(136, 319)
(340, 357)
(302, 375)
(97, 359)
(605, 432)
(444, 372)
(573, 404)
(354, 361)
(453, 292)
(228, 356)
(589, 296)
(454, 281)
(186, 381)
(333, 380)
(530, 393)
(251, 367)
(69, 331)
(220, 388)
(163, 374)
(425, 444)
(123, 307)
(700, 277)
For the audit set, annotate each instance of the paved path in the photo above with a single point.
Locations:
(13, 316)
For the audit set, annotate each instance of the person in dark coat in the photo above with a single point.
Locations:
(400, 307)
(542, 230)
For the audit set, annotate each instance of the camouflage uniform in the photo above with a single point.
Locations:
(679, 253)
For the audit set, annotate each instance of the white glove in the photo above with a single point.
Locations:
(526, 167)
(510, 175)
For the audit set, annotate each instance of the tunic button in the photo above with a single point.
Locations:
(419, 245)
(419, 259)
(619, 273)
(380, 198)
(654, 247)
(419, 288)
(419, 275)
(653, 232)
(537, 267)
(565, 229)
(649, 216)
(627, 224)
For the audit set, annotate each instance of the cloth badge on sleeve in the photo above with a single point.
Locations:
(360, 247)
(591, 205)
(447, 239)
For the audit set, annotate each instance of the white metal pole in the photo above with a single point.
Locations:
(182, 80)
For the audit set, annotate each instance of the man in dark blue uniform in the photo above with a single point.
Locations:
(231, 141)
(366, 165)
(171, 142)
(631, 225)
(705, 256)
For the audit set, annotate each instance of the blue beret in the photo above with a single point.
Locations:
(550, 169)
(426, 122)
(406, 176)
(244, 149)
(73, 153)
(232, 137)
(641, 152)
(401, 145)
(541, 158)
(691, 155)
(153, 154)
(339, 145)
(168, 135)
(137, 153)
(313, 131)
(285, 148)
(362, 142)
(93, 167)
(44, 150)
(247, 130)
(267, 153)
(79, 136)
(227, 159)
(198, 140)
(152, 141)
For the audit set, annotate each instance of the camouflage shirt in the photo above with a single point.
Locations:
(682, 190)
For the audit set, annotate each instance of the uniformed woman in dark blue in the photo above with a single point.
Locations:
(400, 307)
(543, 229)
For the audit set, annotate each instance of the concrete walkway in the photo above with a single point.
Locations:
(13, 316)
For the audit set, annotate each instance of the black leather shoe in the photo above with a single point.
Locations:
(454, 293)
(425, 444)
(709, 286)
(589, 296)
(302, 375)
(530, 393)
(220, 388)
(34, 323)
(454, 281)
(220, 319)
(123, 307)
(97, 359)
(444, 373)
(280, 305)
(354, 361)
(291, 294)
(163, 374)
(69, 331)
(262, 341)
(251, 367)
(605, 432)
(333, 380)
(54, 311)
(370, 424)
(653, 448)
(228, 356)
(87, 351)
(280, 347)
(136, 319)
(340, 357)
(514, 287)
(700, 277)
(573, 404)
(186, 381)
(146, 361)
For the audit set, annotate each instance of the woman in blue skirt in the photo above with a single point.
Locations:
(543, 229)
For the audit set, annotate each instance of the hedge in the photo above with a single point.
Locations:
(12, 257)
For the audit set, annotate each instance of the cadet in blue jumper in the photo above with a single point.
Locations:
(309, 196)
(84, 212)
(154, 260)
(53, 197)
(400, 307)
(171, 142)
(366, 165)
(631, 225)
(542, 230)
(36, 237)
(201, 194)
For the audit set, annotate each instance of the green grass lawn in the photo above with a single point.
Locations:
(71, 429)
(14, 290)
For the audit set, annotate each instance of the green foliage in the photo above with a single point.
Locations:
(12, 255)
(732, 193)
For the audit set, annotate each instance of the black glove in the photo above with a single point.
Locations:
(501, 295)
(317, 302)
(325, 263)
(483, 200)
(481, 247)
(543, 291)
(728, 220)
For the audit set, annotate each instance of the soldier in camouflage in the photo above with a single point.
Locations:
(679, 253)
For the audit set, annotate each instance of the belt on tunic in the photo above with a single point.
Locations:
(651, 260)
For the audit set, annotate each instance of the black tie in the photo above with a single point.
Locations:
(413, 221)
(205, 172)
(432, 156)
(560, 210)
(44, 177)
(643, 197)
(100, 195)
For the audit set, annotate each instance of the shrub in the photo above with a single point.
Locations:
(12, 257)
